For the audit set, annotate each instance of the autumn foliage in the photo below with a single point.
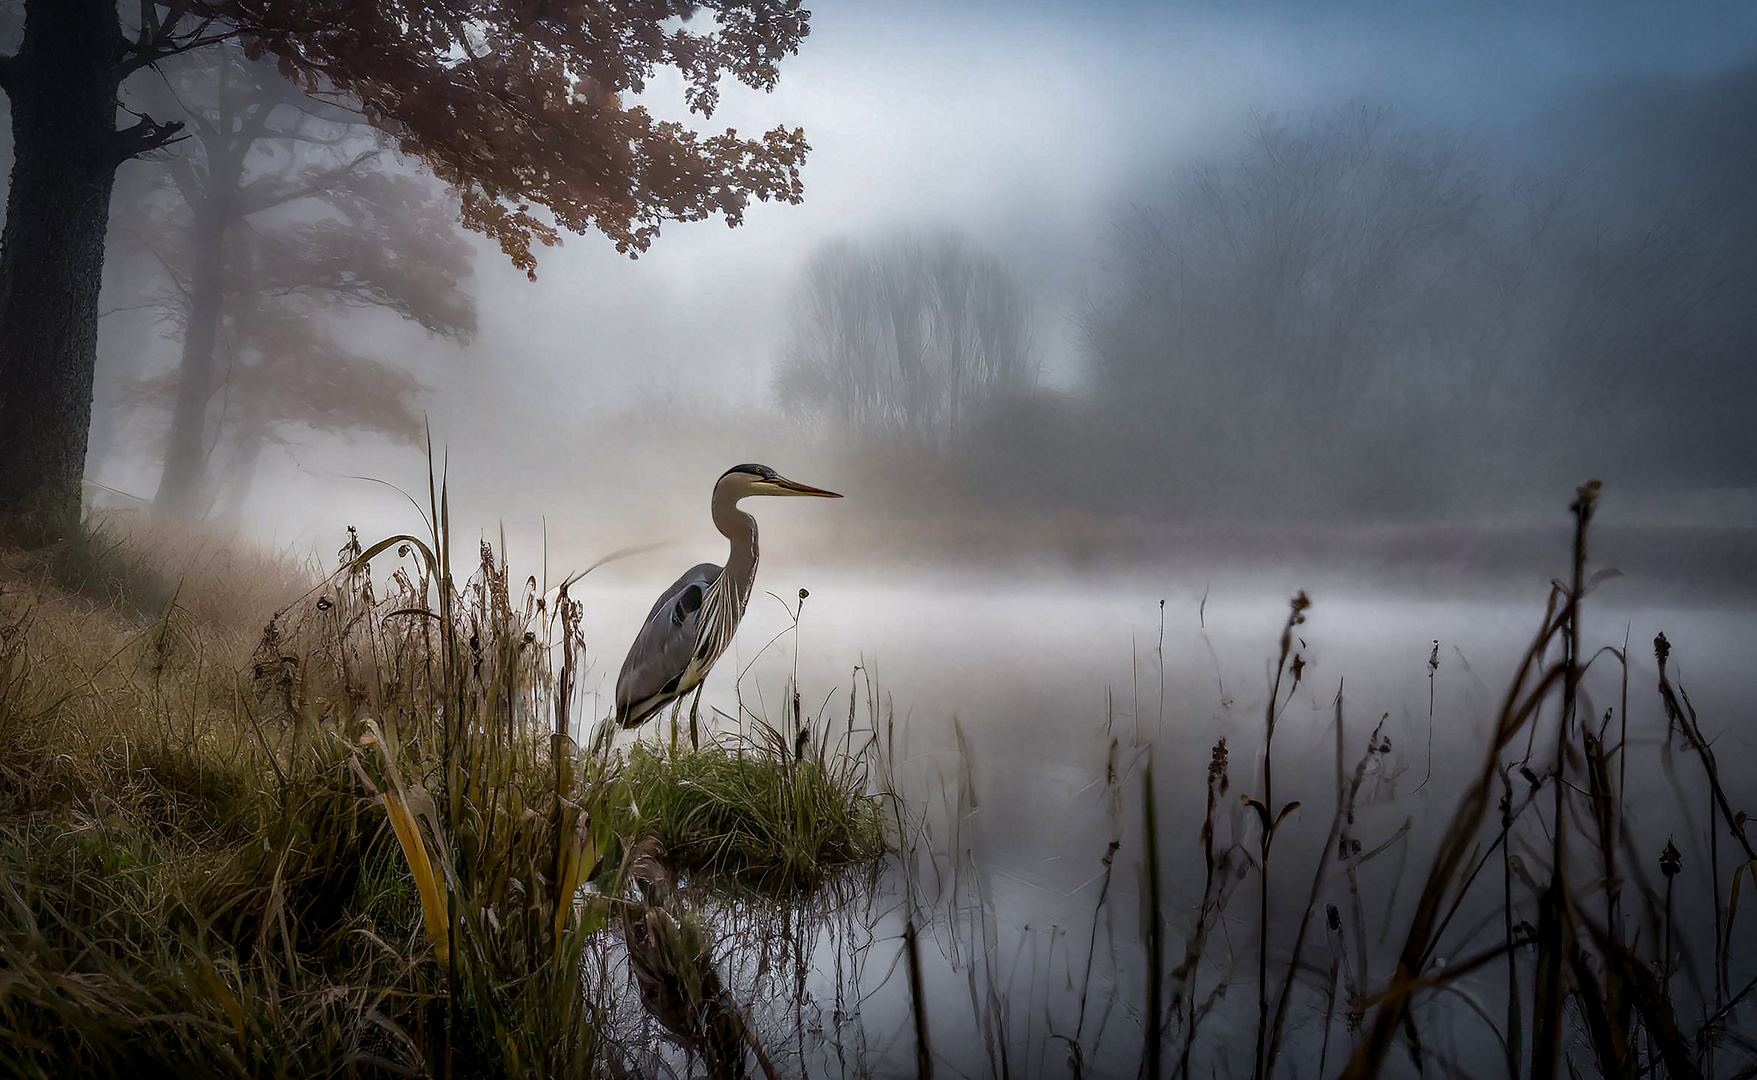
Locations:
(518, 104)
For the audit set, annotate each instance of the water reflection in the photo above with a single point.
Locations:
(1015, 725)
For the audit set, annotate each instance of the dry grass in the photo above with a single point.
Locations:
(361, 842)
(256, 820)
(174, 889)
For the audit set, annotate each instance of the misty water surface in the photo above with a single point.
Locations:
(1041, 671)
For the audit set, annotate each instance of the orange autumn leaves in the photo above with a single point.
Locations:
(519, 104)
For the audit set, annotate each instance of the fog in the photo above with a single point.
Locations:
(1579, 311)
(1087, 307)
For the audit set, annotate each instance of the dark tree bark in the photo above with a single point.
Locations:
(61, 86)
(596, 165)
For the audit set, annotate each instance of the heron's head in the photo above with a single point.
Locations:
(742, 480)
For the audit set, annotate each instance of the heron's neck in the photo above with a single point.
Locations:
(740, 528)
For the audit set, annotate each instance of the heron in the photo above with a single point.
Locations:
(694, 620)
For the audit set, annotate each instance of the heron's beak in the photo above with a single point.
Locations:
(793, 487)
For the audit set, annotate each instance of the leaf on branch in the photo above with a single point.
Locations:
(1286, 810)
(1262, 811)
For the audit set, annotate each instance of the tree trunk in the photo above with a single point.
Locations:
(180, 485)
(252, 437)
(62, 87)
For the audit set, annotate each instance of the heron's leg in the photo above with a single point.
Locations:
(676, 707)
(695, 709)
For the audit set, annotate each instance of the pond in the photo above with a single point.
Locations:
(1018, 713)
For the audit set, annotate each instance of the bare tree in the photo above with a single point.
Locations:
(912, 338)
(1291, 259)
(286, 373)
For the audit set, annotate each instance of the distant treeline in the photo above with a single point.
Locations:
(1349, 315)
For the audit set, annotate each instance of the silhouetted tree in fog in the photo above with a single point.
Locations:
(516, 106)
(284, 207)
(287, 372)
(1350, 316)
(912, 337)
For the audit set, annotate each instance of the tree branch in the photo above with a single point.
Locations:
(265, 196)
(171, 272)
(315, 107)
(255, 121)
(157, 304)
(145, 135)
(310, 140)
(149, 25)
(169, 44)
(310, 126)
(188, 181)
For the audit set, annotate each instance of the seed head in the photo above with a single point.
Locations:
(1300, 603)
(1586, 500)
(1670, 860)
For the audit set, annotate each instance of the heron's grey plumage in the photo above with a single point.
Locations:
(694, 621)
(651, 675)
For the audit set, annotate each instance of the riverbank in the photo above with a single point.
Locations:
(256, 820)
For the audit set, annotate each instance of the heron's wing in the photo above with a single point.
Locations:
(661, 651)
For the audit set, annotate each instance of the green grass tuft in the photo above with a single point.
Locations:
(751, 814)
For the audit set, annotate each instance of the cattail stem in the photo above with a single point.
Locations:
(1155, 930)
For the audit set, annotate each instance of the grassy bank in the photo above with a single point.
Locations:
(257, 819)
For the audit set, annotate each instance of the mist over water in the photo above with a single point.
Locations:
(1008, 692)
(1117, 325)
(1364, 261)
